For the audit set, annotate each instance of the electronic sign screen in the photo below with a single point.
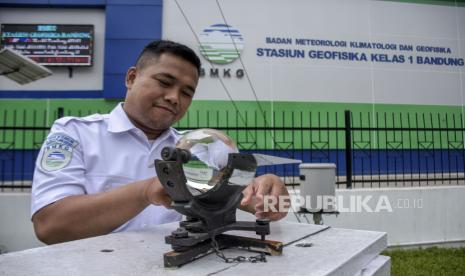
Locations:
(51, 44)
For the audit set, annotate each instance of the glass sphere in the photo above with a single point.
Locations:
(210, 149)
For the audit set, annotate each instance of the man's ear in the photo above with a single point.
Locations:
(130, 77)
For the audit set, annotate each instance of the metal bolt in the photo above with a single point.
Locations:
(180, 233)
(262, 221)
(167, 153)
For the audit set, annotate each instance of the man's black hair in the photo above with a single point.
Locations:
(156, 48)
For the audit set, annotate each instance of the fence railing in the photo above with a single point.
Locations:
(369, 149)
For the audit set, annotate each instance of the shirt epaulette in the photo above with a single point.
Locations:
(91, 118)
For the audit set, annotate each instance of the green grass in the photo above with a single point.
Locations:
(427, 261)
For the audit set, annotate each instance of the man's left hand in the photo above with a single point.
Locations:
(269, 188)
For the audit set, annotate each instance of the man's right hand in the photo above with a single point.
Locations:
(154, 193)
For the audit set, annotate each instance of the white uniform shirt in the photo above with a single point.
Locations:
(97, 153)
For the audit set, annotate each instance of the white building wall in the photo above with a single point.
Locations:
(421, 215)
(439, 220)
(329, 80)
(16, 229)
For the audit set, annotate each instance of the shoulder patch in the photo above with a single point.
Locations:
(58, 151)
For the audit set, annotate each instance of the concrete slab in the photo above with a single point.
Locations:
(379, 266)
(333, 252)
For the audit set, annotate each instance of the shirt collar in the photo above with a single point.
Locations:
(171, 134)
(119, 122)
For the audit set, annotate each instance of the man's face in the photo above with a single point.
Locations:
(159, 94)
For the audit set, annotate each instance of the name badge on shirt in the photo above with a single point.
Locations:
(58, 151)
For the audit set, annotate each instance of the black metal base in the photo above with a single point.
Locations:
(183, 255)
(209, 214)
(190, 241)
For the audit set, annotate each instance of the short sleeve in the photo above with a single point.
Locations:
(59, 170)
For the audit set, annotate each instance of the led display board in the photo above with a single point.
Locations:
(51, 44)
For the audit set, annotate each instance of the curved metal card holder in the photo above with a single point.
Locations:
(208, 214)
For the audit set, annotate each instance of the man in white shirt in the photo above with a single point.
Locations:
(93, 174)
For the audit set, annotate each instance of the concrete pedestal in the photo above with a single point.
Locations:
(333, 252)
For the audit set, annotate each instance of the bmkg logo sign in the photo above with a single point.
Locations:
(221, 43)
